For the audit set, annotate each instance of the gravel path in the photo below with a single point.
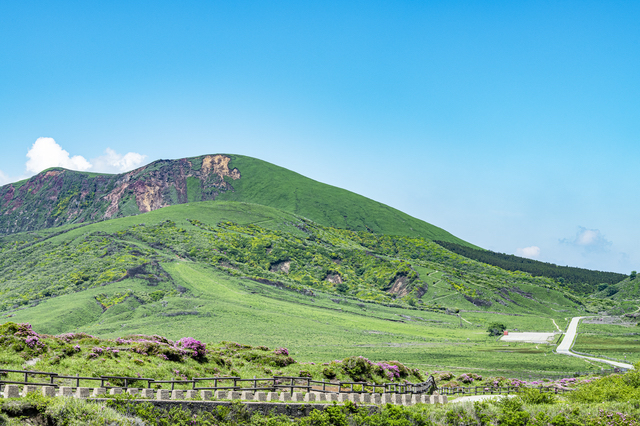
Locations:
(529, 337)
(477, 398)
(565, 347)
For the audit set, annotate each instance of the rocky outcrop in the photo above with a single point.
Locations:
(58, 196)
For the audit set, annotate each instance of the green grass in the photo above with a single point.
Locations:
(260, 183)
(182, 289)
(194, 189)
(315, 329)
(270, 185)
(615, 341)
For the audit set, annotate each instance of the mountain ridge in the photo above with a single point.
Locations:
(59, 196)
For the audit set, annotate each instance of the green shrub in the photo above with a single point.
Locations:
(496, 328)
(305, 373)
(329, 373)
(512, 413)
(358, 368)
(534, 396)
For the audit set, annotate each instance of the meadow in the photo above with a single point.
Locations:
(315, 328)
(620, 340)
(214, 271)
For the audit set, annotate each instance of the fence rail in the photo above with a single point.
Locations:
(233, 383)
(500, 390)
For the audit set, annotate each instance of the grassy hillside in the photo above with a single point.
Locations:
(217, 307)
(262, 243)
(271, 185)
(58, 197)
(260, 276)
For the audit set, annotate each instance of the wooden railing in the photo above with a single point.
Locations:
(229, 383)
(499, 390)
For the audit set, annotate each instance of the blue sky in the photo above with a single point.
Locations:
(513, 125)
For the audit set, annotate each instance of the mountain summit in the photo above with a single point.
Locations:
(58, 196)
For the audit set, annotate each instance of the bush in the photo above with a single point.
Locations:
(358, 368)
(534, 396)
(496, 328)
(196, 347)
(329, 373)
(511, 412)
(305, 373)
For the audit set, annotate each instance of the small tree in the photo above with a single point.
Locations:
(496, 328)
(632, 276)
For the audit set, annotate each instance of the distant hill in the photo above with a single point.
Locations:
(58, 196)
(579, 280)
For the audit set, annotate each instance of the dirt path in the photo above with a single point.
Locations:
(565, 346)
(478, 398)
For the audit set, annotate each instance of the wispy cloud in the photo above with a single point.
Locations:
(591, 240)
(4, 178)
(528, 252)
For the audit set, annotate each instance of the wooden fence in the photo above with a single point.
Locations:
(230, 383)
(500, 390)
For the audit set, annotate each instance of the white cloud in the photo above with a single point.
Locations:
(589, 240)
(528, 252)
(111, 161)
(4, 178)
(46, 153)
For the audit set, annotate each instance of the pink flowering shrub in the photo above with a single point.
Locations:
(468, 378)
(197, 348)
(68, 337)
(33, 342)
(391, 372)
(22, 337)
(361, 369)
(281, 351)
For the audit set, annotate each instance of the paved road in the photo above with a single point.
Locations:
(565, 347)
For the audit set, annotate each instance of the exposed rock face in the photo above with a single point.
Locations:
(60, 196)
(400, 286)
(334, 278)
(281, 267)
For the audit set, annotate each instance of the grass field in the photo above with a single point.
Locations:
(315, 328)
(615, 341)
(270, 185)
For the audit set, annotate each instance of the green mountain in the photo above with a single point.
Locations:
(57, 196)
(232, 248)
(225, 270)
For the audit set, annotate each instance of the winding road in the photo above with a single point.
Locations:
(564, 347)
